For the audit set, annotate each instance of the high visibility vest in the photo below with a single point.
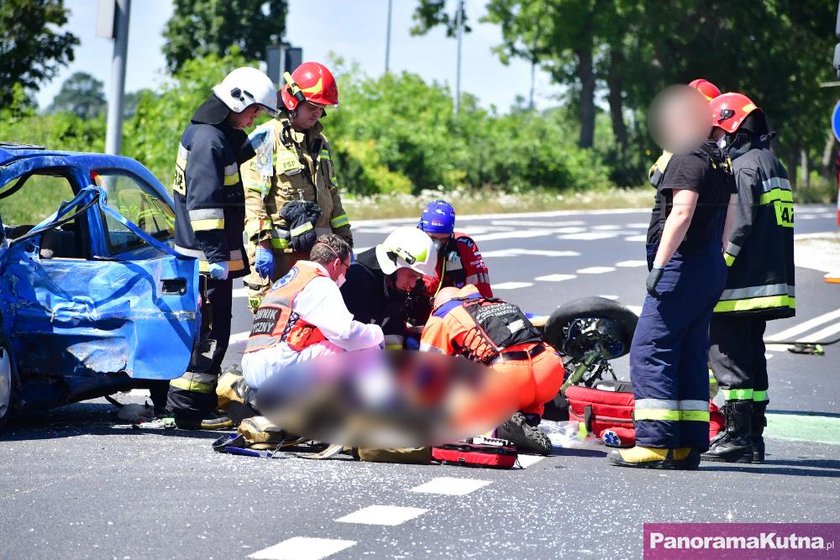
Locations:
(275, 321)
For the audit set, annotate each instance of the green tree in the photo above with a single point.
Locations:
(32, 46)
(80, 94)
(200, 28)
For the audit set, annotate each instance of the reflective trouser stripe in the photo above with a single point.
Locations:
(729, 259)
(782, 289)
(738, 394)
(195, 382)
(767, 302)
(760, 396)
(672, 410)
(340, 221)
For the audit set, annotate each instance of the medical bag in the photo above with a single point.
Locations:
(478, 452)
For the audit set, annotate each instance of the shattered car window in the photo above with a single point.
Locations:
(26, 200)
(134, 200)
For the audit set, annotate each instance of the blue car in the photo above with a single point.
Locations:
(93, 299)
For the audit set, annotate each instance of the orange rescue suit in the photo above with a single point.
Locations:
(498, 334)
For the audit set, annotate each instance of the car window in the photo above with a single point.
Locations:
(35, 197)
(134, 199)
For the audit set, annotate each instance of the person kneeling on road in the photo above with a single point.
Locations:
(303, 316)
(380, 279)
(498, 334)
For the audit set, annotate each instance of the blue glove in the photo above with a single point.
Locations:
(264, 262)
(219, 270)
(258, 138)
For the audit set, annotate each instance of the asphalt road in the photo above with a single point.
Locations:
(76, 483)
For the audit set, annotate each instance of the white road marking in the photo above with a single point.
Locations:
(606, 227)
(240, 292)
(825, 333)
(383, 515)
(637, 225)
(526, 461)
(555, 277)
(631, 264)
(596, 270)
(795, 330)
(512, 285)
(359, 250)
(449, 486)
(572, 229)
(302, 548)
(534, 223)
(611, 297)
(637, 309)
(636, 238)
(524, 234)
(588, 236)
(527, 252)
(239, 337)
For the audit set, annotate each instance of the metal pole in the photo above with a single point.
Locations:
(531, 93)
(388, 39)
(459, 22)
(113, 136)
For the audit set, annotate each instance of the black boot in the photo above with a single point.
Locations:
(525, 434)
(733, 443)
(759, 421)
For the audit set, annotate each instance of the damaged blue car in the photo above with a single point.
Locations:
(93, 299)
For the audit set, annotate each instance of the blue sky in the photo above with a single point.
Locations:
(353, 29)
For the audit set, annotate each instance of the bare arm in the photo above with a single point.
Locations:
(676, 226)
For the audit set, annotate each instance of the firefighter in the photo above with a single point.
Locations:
(668, 354)
(497, 333)
(380, 279)
(294, 166)
(459, 261)
(303, 316)
(760, 283)
(209, 219)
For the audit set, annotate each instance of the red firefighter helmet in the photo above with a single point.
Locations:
(315, 82)
(707, 88)
(730, 109)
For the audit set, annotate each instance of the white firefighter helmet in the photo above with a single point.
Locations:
(247, 86)
(407, 247)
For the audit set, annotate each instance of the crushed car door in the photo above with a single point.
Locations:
(91, 316)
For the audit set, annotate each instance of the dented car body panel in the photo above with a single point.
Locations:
(93, 296)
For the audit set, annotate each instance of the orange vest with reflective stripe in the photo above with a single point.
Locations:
(276, 322)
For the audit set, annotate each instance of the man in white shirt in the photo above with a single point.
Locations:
(303, 316)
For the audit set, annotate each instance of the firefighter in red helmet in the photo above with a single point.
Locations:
(291, 193)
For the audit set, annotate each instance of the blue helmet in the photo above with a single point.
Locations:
(438, 217)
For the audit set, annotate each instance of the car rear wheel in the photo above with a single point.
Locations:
(5, 385)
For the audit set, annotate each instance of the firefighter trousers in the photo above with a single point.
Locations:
(669, 354)
(737, 357)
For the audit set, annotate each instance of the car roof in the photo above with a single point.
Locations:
(12, 151)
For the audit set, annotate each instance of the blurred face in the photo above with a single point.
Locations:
(246, 118)
(406, 278)
(680, 119)
(338, 270)
(306, 115)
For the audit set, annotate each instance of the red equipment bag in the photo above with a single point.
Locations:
(606, 412)
(477, 454)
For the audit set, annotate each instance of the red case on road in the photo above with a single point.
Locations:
(476, 455)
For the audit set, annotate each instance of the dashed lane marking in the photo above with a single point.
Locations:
(240, 292)
(449, 486)
(630, 264)
(239, 337)
(527, 252)
(804, 427)
(609, 296)
(636, 238)
(535, 223)
(524, 234)
(596, 270)
(383, 515)
(607, 227)
(512, 285)
(303, 548)
(555, 277)
(588, 236)
(526, 461)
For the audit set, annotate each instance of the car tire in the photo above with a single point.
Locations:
(6, 385)
(595, 307)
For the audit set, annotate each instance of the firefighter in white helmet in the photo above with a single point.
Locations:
(209, 221)
(380, 279)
